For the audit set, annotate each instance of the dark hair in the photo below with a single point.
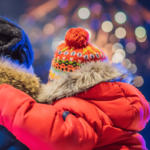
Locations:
(14, 43)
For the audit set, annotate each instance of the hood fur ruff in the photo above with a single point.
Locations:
(89, 75)
(18, 77)
(69, 84)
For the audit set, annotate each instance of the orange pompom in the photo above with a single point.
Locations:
(77, 38)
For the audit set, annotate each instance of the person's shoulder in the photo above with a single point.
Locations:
(129, 89)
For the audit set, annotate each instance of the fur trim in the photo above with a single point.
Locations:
(89, 75)
(18, 77)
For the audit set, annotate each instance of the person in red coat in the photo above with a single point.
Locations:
(92, 104)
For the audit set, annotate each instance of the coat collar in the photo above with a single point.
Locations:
(69, 84)
(19, 77)
(89, 75)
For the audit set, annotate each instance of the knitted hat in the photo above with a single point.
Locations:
(14, 43)
(75, 51)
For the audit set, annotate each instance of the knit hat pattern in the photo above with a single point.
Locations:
(75, 51)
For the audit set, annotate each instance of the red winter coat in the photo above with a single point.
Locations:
(105, 117)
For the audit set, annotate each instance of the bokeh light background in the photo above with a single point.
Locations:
(119, 27)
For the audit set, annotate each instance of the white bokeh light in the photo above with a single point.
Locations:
(61, 42)
(117, 46)
(90, 34)
(133, 68)
(138, 81)
(117, 58)
(84, 13)
(107, 26)
(127, 63)
(55, 44)
(120, 33)
(121, 51)
(120, 17)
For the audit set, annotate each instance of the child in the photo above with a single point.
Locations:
(93, 106)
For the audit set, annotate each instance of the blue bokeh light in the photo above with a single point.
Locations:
(95, 24)
(47, 65)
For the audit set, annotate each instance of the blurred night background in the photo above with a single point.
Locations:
(121, 28)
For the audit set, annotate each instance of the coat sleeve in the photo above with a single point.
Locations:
(41, 126)
(140, 107)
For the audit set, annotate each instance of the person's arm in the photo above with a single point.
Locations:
(41, 126)
(139, 105)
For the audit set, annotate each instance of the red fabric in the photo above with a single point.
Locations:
(77, 38)
(108, 116)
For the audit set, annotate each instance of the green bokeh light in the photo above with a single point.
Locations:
(140, 32)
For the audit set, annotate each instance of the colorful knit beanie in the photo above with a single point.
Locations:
(75, 51)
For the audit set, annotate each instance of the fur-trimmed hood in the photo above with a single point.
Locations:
(69, 84)
(89, 75)
(18, 77)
